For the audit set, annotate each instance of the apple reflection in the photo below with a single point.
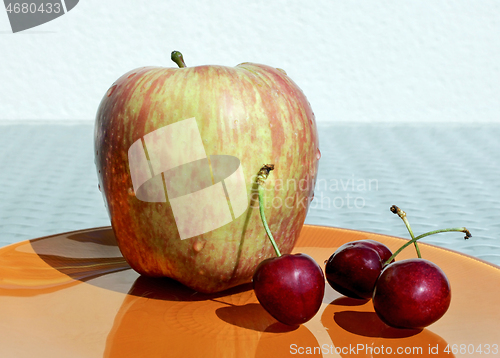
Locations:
(160, 317)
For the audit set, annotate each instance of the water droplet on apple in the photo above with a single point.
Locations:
(131, 75)
(198, 245)
(111, 90)
(318, 154)
(99, 187)
(312, 197)
(131, 191)
(236, 121)
(281, 70)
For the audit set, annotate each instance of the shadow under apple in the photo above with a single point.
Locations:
(90, 255)
(73, 258)
(83, 255)
(167, 289)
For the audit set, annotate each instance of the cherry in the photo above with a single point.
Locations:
(354, 267)
(289, 287)
(411, 293)
(383, 251)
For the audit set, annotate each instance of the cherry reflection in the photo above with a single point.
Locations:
(356, 331)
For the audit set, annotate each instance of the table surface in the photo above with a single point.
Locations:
(441, 175)
(73, 295)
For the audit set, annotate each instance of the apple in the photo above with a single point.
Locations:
(177, 151)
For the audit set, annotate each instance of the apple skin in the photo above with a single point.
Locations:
(253, 112)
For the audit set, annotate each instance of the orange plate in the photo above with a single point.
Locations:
(73, 295)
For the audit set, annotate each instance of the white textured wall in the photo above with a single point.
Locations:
(429, 60)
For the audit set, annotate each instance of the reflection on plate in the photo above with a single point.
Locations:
(73, 295)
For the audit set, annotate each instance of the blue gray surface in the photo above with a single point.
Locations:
(441, 175)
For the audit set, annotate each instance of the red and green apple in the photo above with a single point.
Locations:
(177, 151)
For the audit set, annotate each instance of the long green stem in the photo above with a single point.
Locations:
(459, 229)
(261, 177)
(402, 215)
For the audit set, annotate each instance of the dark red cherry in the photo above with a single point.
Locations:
(290, 287)
(383, 251)
(354, 267)
(412, 293)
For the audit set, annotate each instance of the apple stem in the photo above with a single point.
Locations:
(261, 178)
(459, 229)
(178, 59)
(402, 215)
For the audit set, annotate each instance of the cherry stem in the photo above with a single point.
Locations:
(176, 56)
(459, 229)
(402, 215)
(261, 178)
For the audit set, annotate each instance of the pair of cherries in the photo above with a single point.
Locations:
(410, 293)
